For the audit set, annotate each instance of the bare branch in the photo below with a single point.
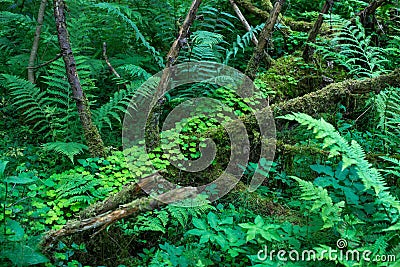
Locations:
(108, 62)
(265, 36)
(35, 45)
(244, 21)
(46, 63)
(92, 135)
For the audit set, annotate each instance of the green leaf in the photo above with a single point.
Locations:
(16, 229)
(19, 180)
(22, 255)
(3, 165)
(198, 223)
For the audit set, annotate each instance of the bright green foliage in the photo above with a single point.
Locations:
(29, 99)
(69, 149)
(124, 13)
(388, 109)
(352, 48)
(322, 203)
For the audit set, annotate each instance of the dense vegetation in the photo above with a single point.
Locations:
(334, 183)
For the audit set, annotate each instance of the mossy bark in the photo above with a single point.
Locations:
(259, 54)
(91, 133)
(152, 129)
(308, 49)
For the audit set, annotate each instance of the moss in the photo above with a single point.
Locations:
(291, 77)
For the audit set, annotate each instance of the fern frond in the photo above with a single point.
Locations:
(353, 49)
(116, 107)
(387, 106)
(322, 202)
(351, 155)
(123, 13)
(28, 99)
(242, 42)
(69, 149)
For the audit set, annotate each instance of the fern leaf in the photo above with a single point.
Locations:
(69, 149)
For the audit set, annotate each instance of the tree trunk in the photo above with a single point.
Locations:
(369, 10)
(308, 49)
(152, 132)
(265, 36)
(92, 135)
(35, 45)
(244, 21)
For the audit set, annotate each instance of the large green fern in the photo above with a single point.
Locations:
(69, 149)
(352, 48)
(123, 12)
(388, 109)
(322, 202)
(30, 101)
(352, 155)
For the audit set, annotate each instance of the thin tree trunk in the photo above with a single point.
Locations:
(181, 41)
(370, 9)
(308, 49)
(108, 62)
(265, 36)
(92, 135)
(244, 21)
(35, 45)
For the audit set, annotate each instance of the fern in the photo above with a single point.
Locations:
(123, 13)
(77, 188)
(28, 99)
(69, 149)
(135, 71)
(322, 203)
(352, 48)
(215, 20)
(118, 103)
(388, 109)
(352, 155)
(150, 223)
(242, 42)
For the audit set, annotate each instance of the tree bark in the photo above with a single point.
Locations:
(152, 132)
(35, 45)
(308, 49)
(265, 36)
(369, 10)
(244, 21)
(92, 135)
(108, 62)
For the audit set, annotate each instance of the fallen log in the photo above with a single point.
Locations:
(319, 101)
(103, 220)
